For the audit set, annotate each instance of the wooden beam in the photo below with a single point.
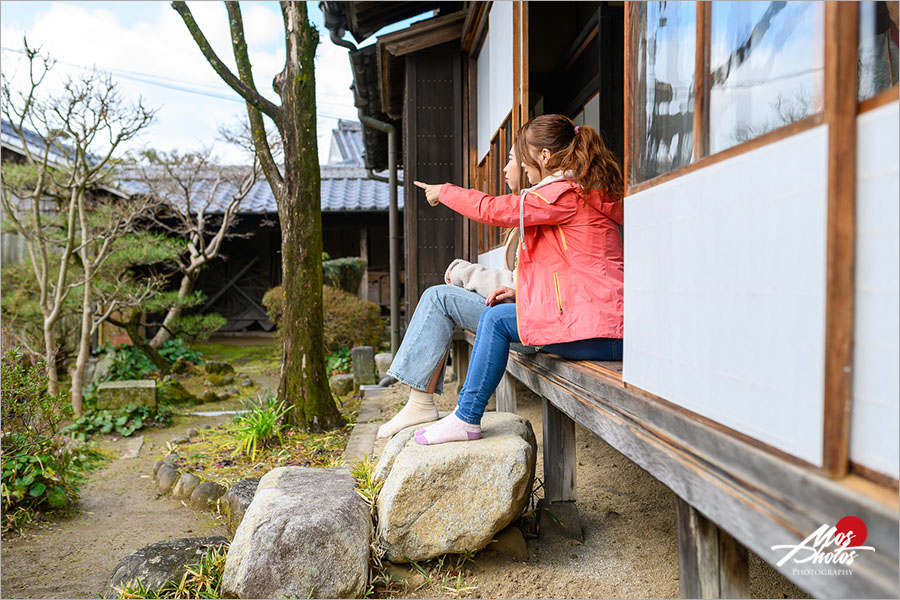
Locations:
(711, 563)
(701, 81)
(627, 101)
(841, 40)
(424, 34)
(559, 454)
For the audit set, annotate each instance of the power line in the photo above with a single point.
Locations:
(179, 85)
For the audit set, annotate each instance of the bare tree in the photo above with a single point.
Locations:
(304, 382)
(200, 201)
(80, 129)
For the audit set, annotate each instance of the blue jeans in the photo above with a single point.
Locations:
(430, 330)
(496, 330)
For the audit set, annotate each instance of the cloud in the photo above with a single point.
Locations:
(160, 48)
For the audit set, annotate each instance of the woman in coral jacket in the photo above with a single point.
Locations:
(569, 286)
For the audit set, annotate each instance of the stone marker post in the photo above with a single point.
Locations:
(363, 365)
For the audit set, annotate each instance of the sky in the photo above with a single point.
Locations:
(148, 50)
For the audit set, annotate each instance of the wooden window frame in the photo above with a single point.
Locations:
(840, 110)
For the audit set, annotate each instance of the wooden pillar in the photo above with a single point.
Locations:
(364, 254)
(506, 394)
(460, 355)
(711, 563)
(559, 455)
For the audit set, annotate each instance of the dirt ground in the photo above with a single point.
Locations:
(629, 548)
(119, 511)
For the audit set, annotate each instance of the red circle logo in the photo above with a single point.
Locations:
(853, 529)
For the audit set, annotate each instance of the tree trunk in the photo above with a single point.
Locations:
(303, 379)
(188, 279)
(84, 348)
(132, 328)
(50, 356)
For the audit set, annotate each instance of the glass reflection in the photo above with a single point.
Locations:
(877, 47)
(766, 68)
(663, 87)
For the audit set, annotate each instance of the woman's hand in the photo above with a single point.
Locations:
(432, 192)
(500, 295)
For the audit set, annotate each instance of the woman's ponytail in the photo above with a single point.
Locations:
(577, 150)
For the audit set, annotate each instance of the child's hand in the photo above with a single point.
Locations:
(432, 192)
(500, 295)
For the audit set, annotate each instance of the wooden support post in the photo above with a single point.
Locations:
(364, 254)
(506, 394)
(460, 355)
(711, 563)
(559, 455)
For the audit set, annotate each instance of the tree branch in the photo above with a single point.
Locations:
(257, 127)
(250, 94)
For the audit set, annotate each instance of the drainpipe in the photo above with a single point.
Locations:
(393, 225)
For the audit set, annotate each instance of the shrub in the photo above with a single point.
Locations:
(35, 467)
(349, 321)
(339, 361)
(344, 273)
(261, 423)
(198, 327)
(124, 422)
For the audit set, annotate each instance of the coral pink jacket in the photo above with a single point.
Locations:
(569, 284)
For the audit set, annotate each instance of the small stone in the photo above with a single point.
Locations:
(156, 467)
(383, 362)
(233, 391)
(206, 426)
(341, 384)
(182, 439)
(246, 382)
(206, 494)
(185, 486)
(209, 396)
(168, 475)
(395, 572)
(510, 542)
(416, 581)
(192, 433)
(217, 367)
(170, 458)
(227, 380)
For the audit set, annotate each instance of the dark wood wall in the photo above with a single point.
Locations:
(433, 153)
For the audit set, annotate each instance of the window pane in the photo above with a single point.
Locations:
(766, 68)
(877, 47)
(664, 38)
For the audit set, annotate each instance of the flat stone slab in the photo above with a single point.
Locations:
(307, 533)
(113, 395)
(361, 442)
(132, 447)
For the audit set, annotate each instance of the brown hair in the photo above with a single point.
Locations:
(592, 164)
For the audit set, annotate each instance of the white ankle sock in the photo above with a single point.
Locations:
(419, 409)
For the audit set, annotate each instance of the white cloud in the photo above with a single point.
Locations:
(163, 49)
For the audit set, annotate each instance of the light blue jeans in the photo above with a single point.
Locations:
(428, 336)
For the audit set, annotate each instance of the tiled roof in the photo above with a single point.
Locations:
(346, 186)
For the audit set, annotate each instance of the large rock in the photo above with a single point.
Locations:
(306, 533)
(383, 363)
(363, 365)
(160, 563)
(341, 384)
(454, 497)
(236, 500)
(113, 395)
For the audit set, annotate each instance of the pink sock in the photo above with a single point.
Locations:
(449, 429)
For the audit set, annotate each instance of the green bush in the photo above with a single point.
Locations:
(198, 327)
(339, 361)
(344, 273)
(349, 321)
(124, 422)
(36, 466)
(261, 423)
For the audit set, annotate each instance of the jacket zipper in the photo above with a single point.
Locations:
(558, 295)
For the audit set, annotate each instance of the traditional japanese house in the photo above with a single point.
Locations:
(760, 146)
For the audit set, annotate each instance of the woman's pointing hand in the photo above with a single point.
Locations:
(432, 191)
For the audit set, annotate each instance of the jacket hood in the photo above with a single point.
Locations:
(550, 188)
